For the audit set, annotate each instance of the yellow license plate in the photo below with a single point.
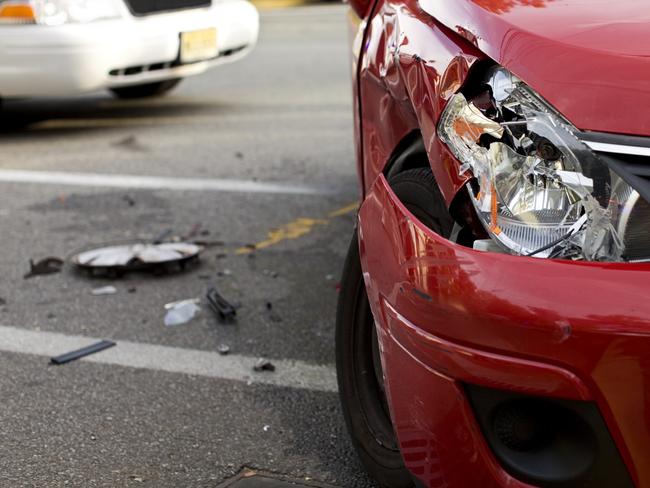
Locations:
(198, 45)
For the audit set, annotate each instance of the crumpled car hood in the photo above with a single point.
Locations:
(589, 58)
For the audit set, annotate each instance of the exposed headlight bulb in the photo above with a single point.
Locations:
(538, 190)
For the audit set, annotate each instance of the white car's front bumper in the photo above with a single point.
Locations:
(40, 60)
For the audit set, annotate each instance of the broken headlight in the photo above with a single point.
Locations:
(538, 190)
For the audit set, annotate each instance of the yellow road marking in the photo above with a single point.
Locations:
(295, 229)
(292, 230)
(344, 210)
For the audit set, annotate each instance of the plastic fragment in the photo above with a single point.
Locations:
(45, 266)
(264, 365)
(225, 311)
(223, 349)
(104, 290)
(129, 200)
(273, 317)
(181, 312)
(79, 353)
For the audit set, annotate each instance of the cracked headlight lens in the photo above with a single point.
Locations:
(538, 190)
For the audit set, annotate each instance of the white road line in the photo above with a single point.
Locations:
(292, 374)
(154, 182)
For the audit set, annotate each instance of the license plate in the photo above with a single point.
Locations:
(198, 45)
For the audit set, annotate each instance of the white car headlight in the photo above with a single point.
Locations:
(57, 12)
(538, 190)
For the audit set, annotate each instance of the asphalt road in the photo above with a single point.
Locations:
(162, 408)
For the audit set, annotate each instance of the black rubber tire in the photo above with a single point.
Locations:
(360, 383)
(146, 90)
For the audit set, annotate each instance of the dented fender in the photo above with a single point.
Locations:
(410, 68)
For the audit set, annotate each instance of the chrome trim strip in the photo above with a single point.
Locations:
(618, 148)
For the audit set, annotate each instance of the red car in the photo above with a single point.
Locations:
(493, 326)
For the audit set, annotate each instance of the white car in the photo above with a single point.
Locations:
(134, 48)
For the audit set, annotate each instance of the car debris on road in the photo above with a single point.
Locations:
(138, 256)
(181, 312)
(80, 353)
(226, 312)
(49, 265)
(104, 290)
(264, 365)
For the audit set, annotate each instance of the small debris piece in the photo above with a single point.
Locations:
(223, 349)
(225, 272)
(45, 266)
(329, 277)
(226, 311)
(208, 243)
(273, 317)
(104, 290)
(79, 353)
(263, 365)
(136, 478)
(266, 428)
(181, 312)
(131, 143)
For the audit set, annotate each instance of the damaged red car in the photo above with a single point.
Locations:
(493, 327)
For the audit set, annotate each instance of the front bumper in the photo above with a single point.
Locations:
(40, 60)
(449, 316)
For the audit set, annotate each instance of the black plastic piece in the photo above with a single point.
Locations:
(226, 311)
(547, 442)
(84, 351)
(635, 170)
(145, 7)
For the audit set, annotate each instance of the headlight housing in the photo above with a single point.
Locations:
(537, 189)
(57, 12)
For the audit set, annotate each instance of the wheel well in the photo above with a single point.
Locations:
(408, 154)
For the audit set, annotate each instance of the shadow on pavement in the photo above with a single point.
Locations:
(62, 116)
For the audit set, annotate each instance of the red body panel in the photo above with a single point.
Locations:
(447, 314)
(589, 58)
(409, 68)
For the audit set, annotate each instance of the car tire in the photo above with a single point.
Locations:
(146, 90)
(357, 354)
